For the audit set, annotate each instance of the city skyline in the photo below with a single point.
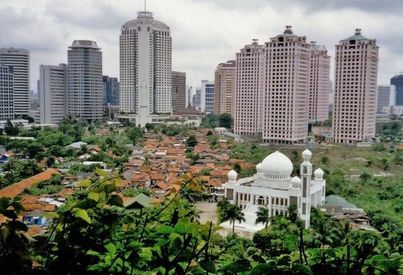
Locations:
(54, 24)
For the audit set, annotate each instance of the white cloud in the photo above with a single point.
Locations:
(205, 32)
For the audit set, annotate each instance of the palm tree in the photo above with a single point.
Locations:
(235, 214)
(262, 216)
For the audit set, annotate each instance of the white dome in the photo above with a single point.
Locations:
(307, 154)
(277, 165)
(296, 182)
(232, 175)
(318, 174)
(259, 168)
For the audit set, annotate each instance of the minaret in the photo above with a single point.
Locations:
(306, 175)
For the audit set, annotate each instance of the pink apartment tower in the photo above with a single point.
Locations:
(355, 89)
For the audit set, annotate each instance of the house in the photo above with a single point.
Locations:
(36, 218)
(77, 145)
(140, 201)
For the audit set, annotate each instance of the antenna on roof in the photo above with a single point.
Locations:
(145, 5)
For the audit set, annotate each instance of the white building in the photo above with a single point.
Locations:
(52, 93)
(6, 92)
(84, 80)
(145, 68)
(207, 97)
(273, 187)
(19, 60)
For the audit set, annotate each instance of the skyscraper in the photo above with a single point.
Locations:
(355, 89)
(319, 83)
(84, 80)
(207, 97)
(384, 97)
(145, 67)
(249, 88)
(397, 81)
(197, 98)
(52, 89)
(19, 60)
(178, 91)
(110, 88)
(224, 88)
(6, 92)
(285, 113)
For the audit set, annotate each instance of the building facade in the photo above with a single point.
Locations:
(145, 67)
(319, 84)
(273, 187)
(355, 89)
(178, 91)
(397, 81)
(52, 89)
(207, 97)
(197, 98)
(384, 98)
(84, 80)
(20, 61)
(224, 88)
(6, 92)
(249, 89)
(110, 91)
(287, 88)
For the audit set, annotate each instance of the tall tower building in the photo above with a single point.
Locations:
(19, 60)
(110, 91)
(178, 91)
(6, 92)
(285, 114)
(145, 67)
(84, 80)
(52, 89)
(224, 88)
(207, 97)
(397, 81)
(319, 84)
(249, 89)
(355, 89)
(384, 97)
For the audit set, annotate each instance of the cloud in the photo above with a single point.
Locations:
(204, 32)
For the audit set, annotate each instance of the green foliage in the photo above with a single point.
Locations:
(51, 186)
(17, 170)
(210, 121)
(225, 120)
(135, 134)
(191, 141)
(10, 129)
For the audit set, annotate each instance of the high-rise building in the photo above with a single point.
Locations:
(178, 91)
(207, 97)
(285, 113)
(397, 81)
(249, 89)
(189, 96)
(52, 89)
(384, 97)
(19, 60)
(145, 67)
(110, 91)
(319, 83)
(6, 92)
(197, 98)
(84, 80)
(355, 89)
(224, 88)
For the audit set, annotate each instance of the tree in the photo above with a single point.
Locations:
(262, 216)
(225, 120)
(364, 177)
(10, 129)
(231, 212)
(191, 141)
(237, 167)
(134, 134)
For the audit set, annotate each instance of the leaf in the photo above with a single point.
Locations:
(208, 266)
(93, 196)
(83, 214)
(109, 188)
(111, 248)
(180, 228)
(146, 253)
(101, 172)
(51, 215)
(165, 229)
(84, 183)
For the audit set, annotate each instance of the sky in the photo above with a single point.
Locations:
(204, 32)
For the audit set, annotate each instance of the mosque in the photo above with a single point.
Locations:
(273, 187)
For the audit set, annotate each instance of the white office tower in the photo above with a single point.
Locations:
(6, 92)
(355, 89)
(19, 60)
(52, 93)
(145, 68)
(84, 80)
(285, 114)
(207, 97)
